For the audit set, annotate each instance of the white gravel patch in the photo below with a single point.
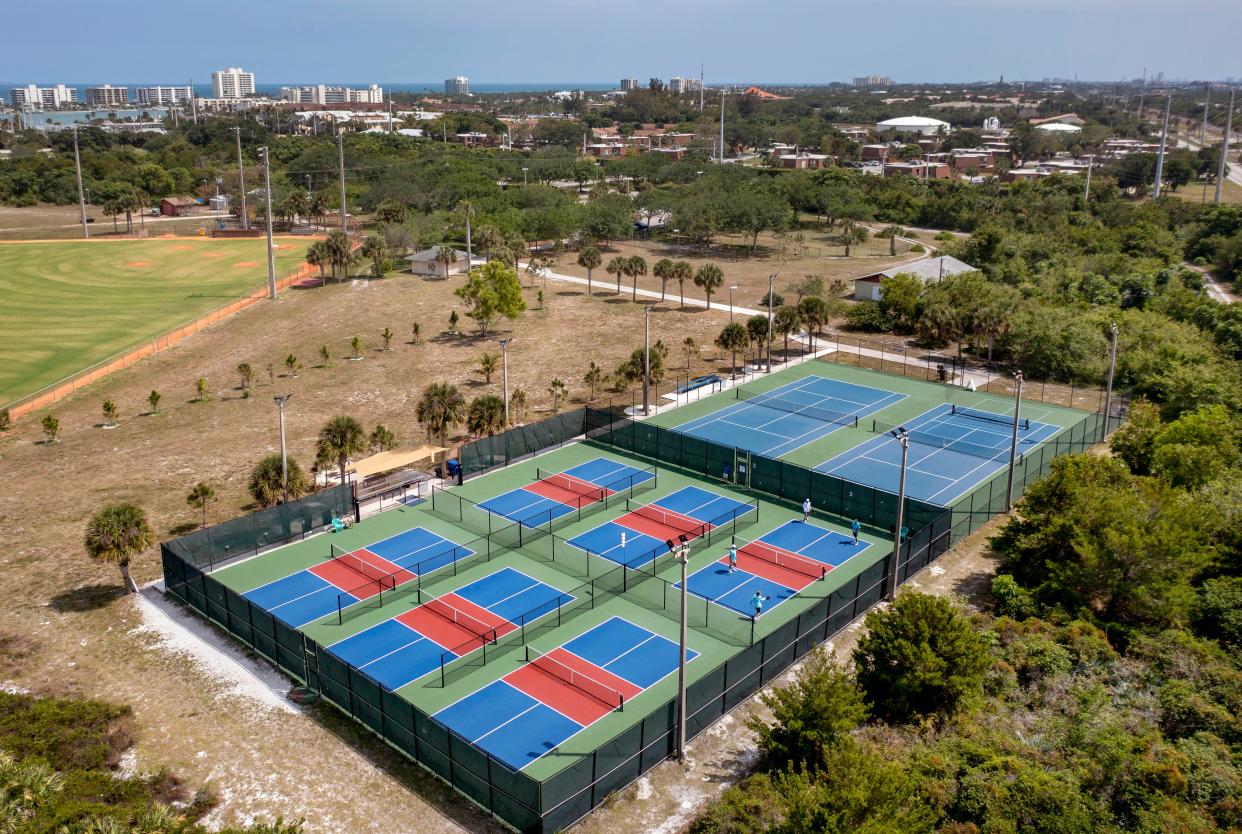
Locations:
(179, 632)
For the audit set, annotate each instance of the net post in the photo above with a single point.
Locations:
(823, 573)
(621, 702)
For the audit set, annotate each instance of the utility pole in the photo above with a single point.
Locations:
(1112, 364)
(903, 437)
(1164, 138)
(504, 364)
(1013, 440)
(281, 399)
(1207, 102)
(701, 88)
(469, 251)
(1086, 192)
(1142, 95)
(267, 195)
(340, 153)
(1224, 149)
(241, 180)
(771, 285)
(646, 359)
(193, 102)
(722, 96)
(683, 557)
(77, 164)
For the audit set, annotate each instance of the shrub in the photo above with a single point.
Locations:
(1218, 610)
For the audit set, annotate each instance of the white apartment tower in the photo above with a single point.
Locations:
(676, 85)
(39, 98)
(323, 94)
(105, 95)
(233, 82)
(457, 86)
(154, 96)
(628, 84)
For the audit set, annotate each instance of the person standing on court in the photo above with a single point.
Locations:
(756, 602)
(806, 509)
(732, 556)
(855, 527)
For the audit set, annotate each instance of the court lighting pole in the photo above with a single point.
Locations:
(267, 196)
(1013, 440)
(504, 364)
(646, 359)
(732, 287)
(1112, 364)
(771, 285)
(77, 164)
(903, 437)
(683, 556)
(241, 180)
(1224, 149)
(281, 399)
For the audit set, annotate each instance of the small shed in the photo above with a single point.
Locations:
(177, 206)
(927, 270)
(427, 263)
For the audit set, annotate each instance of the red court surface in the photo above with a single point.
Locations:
(362, 573)
(677, 525)
(456, 623)
(567, 699)
(581, 494)
(780, 566)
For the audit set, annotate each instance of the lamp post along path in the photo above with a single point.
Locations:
(281, 399)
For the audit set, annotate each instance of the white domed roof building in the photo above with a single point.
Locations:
(914, 124)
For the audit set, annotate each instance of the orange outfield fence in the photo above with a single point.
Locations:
(149, 347)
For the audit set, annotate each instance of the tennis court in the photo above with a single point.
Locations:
(410, 645)
(776, 422)
(953, 449)
(349, 577)
(558, 494)
(639, 536)
(551, 697)
(777, 566)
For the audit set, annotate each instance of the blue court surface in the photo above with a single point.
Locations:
(303, 597)
(636, 538)
(950, 454)
(396, 653)
(771, 431)
(735, 589)
(526, 715)
(530, 507)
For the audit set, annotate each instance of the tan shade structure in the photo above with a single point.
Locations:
(393, 459)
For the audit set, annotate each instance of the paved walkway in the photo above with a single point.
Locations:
(1215, 289)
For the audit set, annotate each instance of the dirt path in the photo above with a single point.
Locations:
(1215, 289)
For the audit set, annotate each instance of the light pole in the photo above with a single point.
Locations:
(1112, 364)
(504, 364)
(1224, 149)
(903, 437)
(732, 287)
(771, 288)
(241, 180)
(267, 196)
(1164, 139)
(340, 151)
(1013, 440)
(281, 399)
(683, 556)
(77, 164)
(646, 358)
(524, 170)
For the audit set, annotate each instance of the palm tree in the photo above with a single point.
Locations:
(733, 338)
(852, 232)
(199, 496)
(51, 427)
(340, 253)
(110, 413)
(486, 415)
(382, 438)
(200, 386)
(318, 206)
(783, 323)
(387, 335)
(266, 486)
(710, 278)
(340, 439)
(453, 320)
(518, 403)
(447, 256)
(617, 267)
(691, 348)
(559, 391)
(663, 269)
(29, 785)
(292, 366)
(416, 333)
(376, 249)
(757, 332)
(440, 407)
(318, 255)
(246, 374)
(325, 356)
(682, 272)
(635, 266)
(153, 400)
(293, 205)
(488, 363)
(813, 311)
(116, 534)
(589, 258)
(356, 344)
(593, 378)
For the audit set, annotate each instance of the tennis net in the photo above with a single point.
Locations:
(952, 444)
(1024, 423)
(601, 692)
(840, 418)
(668, 518)
(458, 617)
(790, 561)
(385, 579)
(574, 485)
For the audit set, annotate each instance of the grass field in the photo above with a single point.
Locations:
(69, 305)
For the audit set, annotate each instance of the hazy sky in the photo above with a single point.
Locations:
(812, 41)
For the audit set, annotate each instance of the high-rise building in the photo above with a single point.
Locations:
(870, 82)
(676, 85)
(105, 95)
(323, 94)
(457, 86)
(233, 82)
(41, 98)
(628, 84)
(154, 96)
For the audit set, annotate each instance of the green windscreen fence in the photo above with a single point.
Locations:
(520, 442)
